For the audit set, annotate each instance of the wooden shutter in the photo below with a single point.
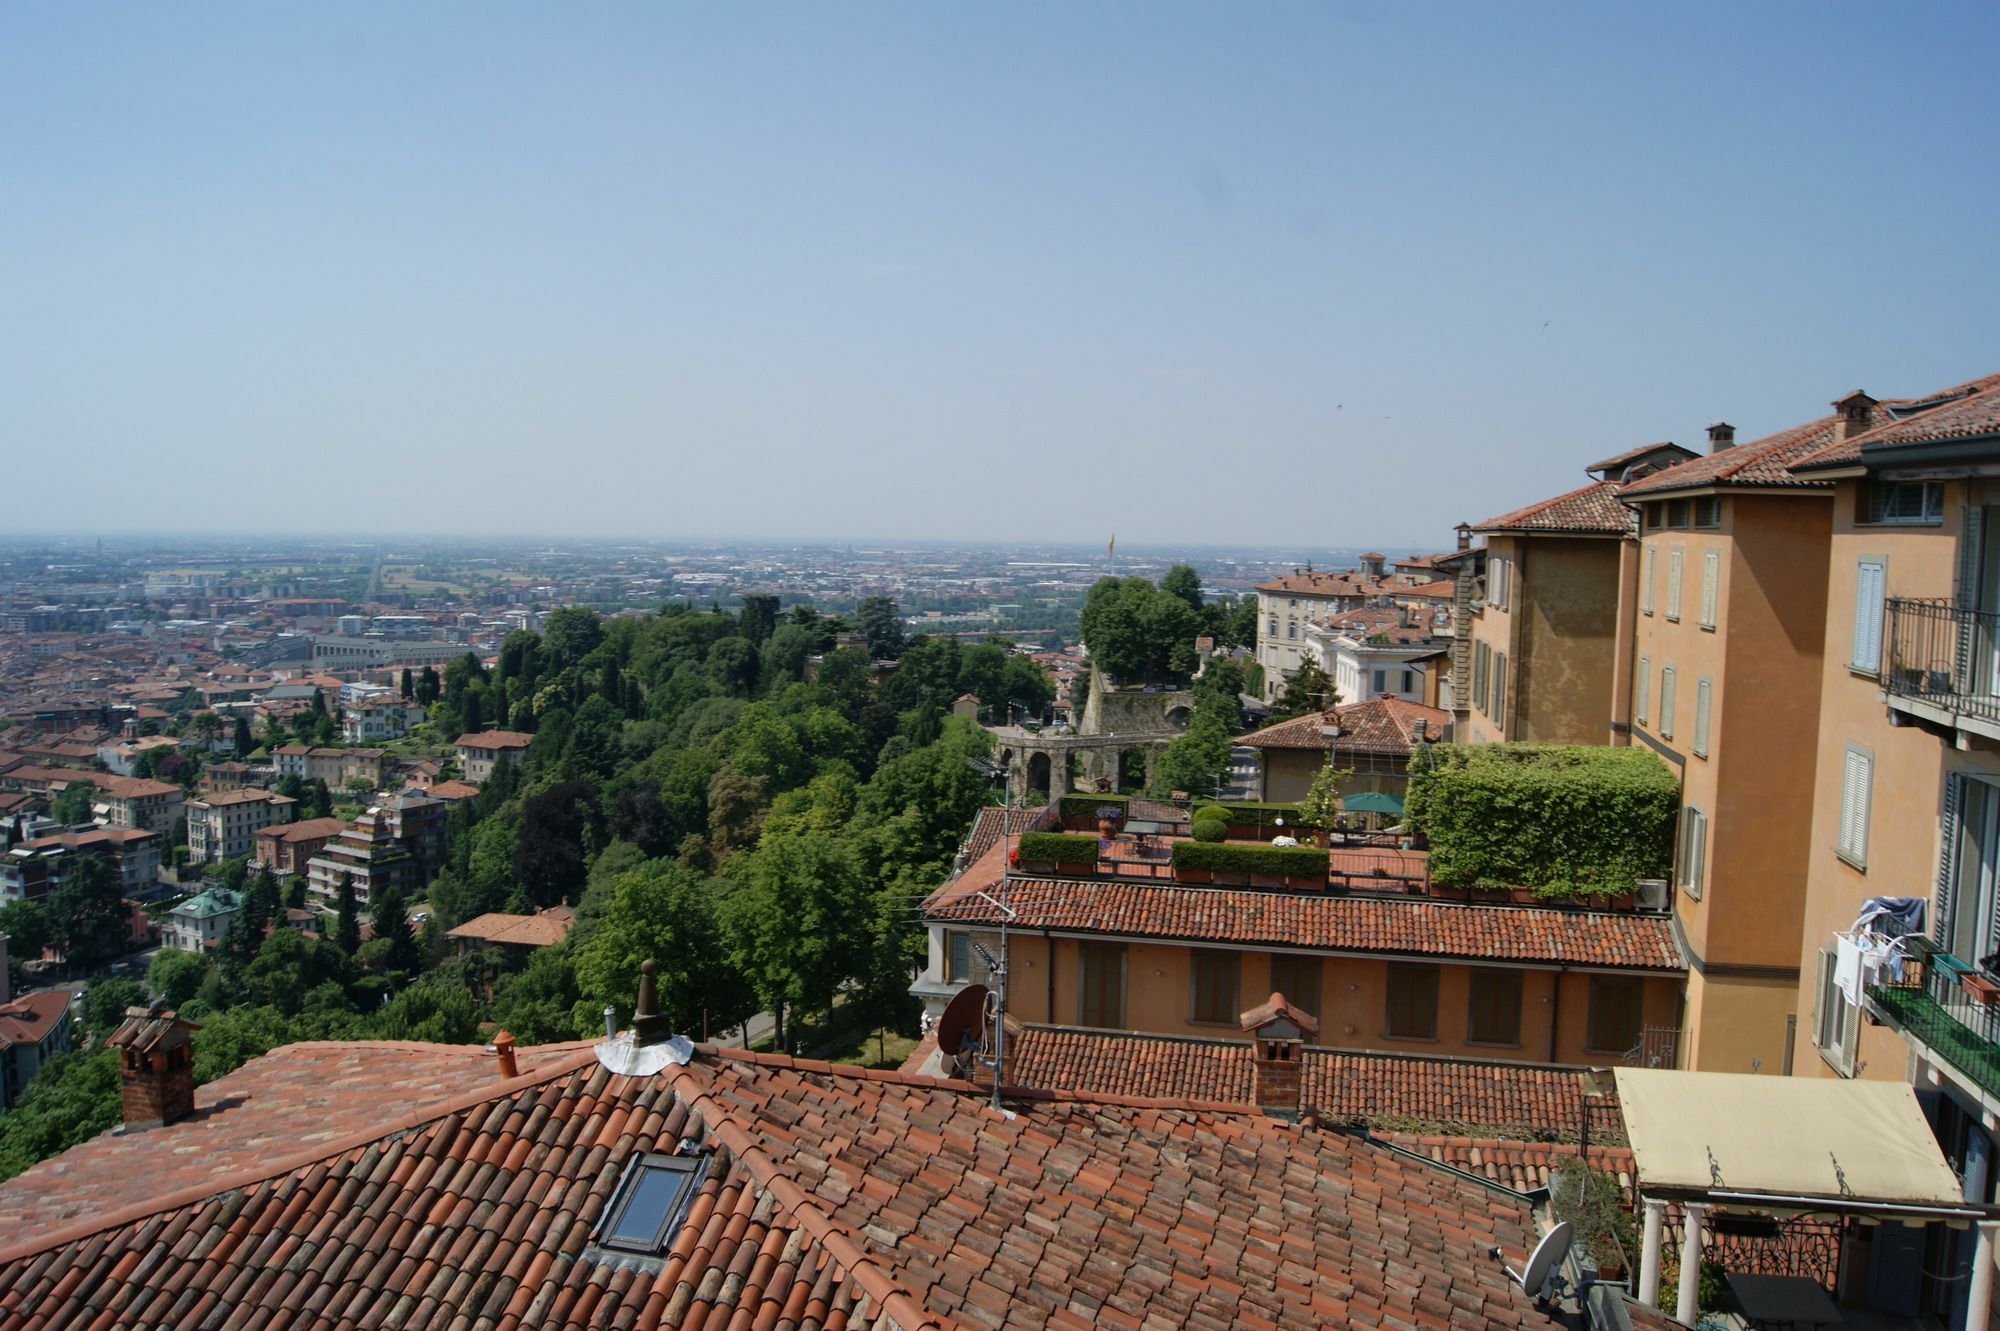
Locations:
(1710, 574)
(1857, 774)
(1702, 690)
(1947, 879)
(1966, 594)
(1645, 683)
(1867, 653)
(1673, 584)
(1667, 678)
(1652, 568)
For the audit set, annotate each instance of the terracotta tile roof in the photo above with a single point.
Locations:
(1765, 461)
(29, 1018)
(1352, 924)
(1523, 1166)
(1388, 622)
(1320, 583)
(1588, 510)
(1617, 460)
(989, 826)
(305, 829)
(292, 1099)
(545, 929)
(1381, 724)
(1965, 411)
(451, 790)
(1403, 1091)
(495, 740)
(832, 1196)
(246, 795)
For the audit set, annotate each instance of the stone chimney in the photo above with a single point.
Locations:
(1464, 530)
(155, 1066)
(1721, 435)
(1857, 414)
(1278, 1033)
(1371, 564)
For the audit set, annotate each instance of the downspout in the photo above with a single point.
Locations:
(1049, 960)
(1624, 634)
(1555, 1012)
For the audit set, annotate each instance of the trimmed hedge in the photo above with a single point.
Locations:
(1058, 848)
(1278, 861)
(1567, 820)
(1211, 829)
(1251, 813)
(1086, 806)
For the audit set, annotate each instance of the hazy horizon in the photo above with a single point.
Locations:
(1313, 277)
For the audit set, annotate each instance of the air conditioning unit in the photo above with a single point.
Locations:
(1652, 894)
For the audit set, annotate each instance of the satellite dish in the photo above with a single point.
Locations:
(962, 1027)
(1550, 1251)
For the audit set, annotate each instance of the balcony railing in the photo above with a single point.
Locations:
(1943, 655)
(1934, 1005)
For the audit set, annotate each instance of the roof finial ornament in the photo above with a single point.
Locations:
(648, 1025)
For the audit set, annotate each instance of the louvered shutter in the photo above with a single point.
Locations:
(1667, 702)
(1710, 574)
(1856, 775)
(1867, 654)
(1820, 986)
(1947, 879)
(1645, 683)
(1966, 595)
(1652, 568)
(1673, 584)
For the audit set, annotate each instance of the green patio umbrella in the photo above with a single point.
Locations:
(1372, 801)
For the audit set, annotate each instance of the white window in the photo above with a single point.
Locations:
(1666, 702)
(1710, 571)
(1644, 683)
(1674, 584)
(1836, 1022)
(1857, 775)
(1646, 579)
(1702, 691)
(1694, 850)
(1867, 654)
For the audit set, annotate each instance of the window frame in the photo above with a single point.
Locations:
(1409, 971)
(1487, 975)
(1231, 1009)
(693, 1167)
(1087, 950)
(1930, 496)
(1302, 1000)
(1692, 859)
(1830, 1007)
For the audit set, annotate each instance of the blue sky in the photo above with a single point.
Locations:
(1327, 275)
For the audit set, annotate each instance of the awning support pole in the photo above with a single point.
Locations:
(1685, 1311)
(1649, 1254)
(1979, 1296)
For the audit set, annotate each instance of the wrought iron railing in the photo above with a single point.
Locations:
(1951, 1007)
(1943, 655)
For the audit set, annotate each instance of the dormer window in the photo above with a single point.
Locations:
(650, 1203)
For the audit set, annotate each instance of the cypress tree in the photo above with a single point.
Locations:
(347, 928)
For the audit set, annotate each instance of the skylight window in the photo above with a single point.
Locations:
(650, 1201)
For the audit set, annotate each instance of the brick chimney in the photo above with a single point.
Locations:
(1464, 530)
(1721, 435)
(1278, 1033)
(1857, 414)
(155, 1066)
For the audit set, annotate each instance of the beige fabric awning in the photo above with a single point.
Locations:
(1728, 1135)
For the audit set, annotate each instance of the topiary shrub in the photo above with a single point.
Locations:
(1211, 829)
(1569, 821)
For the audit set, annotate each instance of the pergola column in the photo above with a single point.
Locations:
(1979, 1293)
(1649, 1253)
(1685, 1311)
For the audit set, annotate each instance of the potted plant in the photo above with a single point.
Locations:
(1110, 817)
(1980, 987)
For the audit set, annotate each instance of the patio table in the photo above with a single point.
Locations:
(1789, 1301)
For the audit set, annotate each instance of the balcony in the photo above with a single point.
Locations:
(1944, 664)
(1932, 1006)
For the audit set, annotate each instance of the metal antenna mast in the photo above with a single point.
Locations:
(996, 997)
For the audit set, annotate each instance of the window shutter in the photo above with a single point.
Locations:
(1947, 879)
(1667, 702)
(1673, 584)
(1710, 572)
(1646, 590)
(1645, 683)
(1867, 617)
(1702, 699)
(1857, 773)
(1821, 983)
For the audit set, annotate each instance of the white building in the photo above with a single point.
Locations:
(223, 826)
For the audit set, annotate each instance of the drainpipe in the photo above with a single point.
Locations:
(1624, 633)
(1049, 961)
(1555, 1012)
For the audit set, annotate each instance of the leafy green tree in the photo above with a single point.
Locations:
(759, 618)
(105, 1002)
(570, 634)
(1307, 689)
(662, 913)
(552, 850)
(1321, 807)
(540, 1003)
(289, 967)
(347, 926)
(241, 740)
(27, 927)
(71, 806)
(399, 951)
(799, 919)
(879, 618)
(87, 913)
(1185, 584)
(175, 977)
(72, 1099)
(429, 687)
(434, 1013)
(1138, 633)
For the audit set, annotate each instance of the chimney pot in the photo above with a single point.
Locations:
(1464, 530)
(503, 1046)
(1857, 414)
(1721, 435)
